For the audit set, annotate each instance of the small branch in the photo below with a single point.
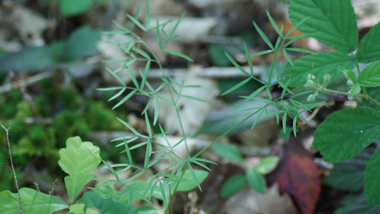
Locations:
(24, 83)
(54, 185)
(13, 168)
(27, 97)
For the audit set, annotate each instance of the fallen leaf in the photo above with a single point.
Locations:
(298, 175)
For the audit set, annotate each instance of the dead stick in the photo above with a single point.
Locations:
(14, 171)
(26, 95)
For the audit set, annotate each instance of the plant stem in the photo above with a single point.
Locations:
(13, 168)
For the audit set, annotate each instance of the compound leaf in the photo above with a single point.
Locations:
(318, 65)
(347, 132)
(331, 22)
(78, 160)
(369, 47)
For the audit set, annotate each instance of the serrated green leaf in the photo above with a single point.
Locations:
(78, 160)
(232, 185)
(227, 151)
(369, 47)
(189, 184)
(371, 181)
(370, 76)
(318, 65)
(355, 89)
(32, 202)
(255, 180)
(347, 132)
(331, 22)
(267, 164)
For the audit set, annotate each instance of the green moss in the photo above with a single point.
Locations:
(42, 105)
(68, 124)
(24, 110)
(8, 103)
(101, 118)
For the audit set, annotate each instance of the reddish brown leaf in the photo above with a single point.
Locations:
(298, 175)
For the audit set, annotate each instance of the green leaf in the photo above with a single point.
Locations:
(82, 43)
(331, 22)
(178, 54)
(106, 205)
(220, 121)
(147, 210)
(371, 181)
(227, 151)
(255, 180)
(232, 185)
(318, 65)
(76, 209)
(347, 132)
(370, 76)
(74, 7)
(350, 75)
(349, 175)
(267, 164)
(33, 59)
(184, 186)
(32, 202)
(263, 36)
(369, 47)
(78, 160)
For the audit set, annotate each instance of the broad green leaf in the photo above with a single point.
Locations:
(349, 175)
(255, 180)
(107, 205)
(350, 75)
(228, 151)
(184, 186)
(78, 160)
(370, 76)
(347, 132)
(147, 210)
(232, 185)
(371, 181)
(369, 47)
(318, 65)
(267, 164)
(82, 43)
(360, 206)
(76, 209)
(331, 22)
(74, 7)
(33, 59)
(32, 202)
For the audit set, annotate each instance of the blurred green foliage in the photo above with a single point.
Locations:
(68, 114)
